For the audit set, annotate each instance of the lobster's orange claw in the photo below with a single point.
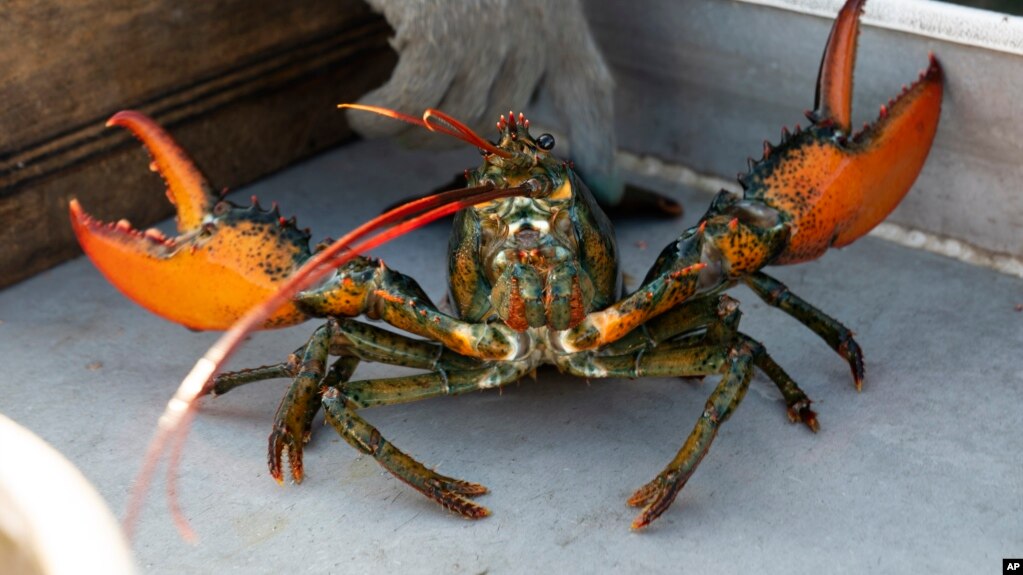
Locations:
(890, 153)
(835, 77)
(187, 188)
(225, 260)
(835, 186)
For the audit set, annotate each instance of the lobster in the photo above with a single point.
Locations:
(533, 277)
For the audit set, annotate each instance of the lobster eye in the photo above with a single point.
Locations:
(545, 142)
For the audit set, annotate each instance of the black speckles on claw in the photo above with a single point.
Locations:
(785, 156)
(267, 222)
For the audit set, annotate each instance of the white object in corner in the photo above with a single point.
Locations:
(52, 521)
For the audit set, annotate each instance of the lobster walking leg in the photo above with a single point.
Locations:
(341, 404)
(450, 493)
(736, 361)
(683, 359)
(353, 341)
(656, 496)
(707, 320)
(405, 389)
(225, 382)
(796, 401)
(368, 342)
(840, 338)
(293, 420)
(714, 347)
(371, 343)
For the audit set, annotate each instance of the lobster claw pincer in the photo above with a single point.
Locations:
(831, 185)
(225, 259)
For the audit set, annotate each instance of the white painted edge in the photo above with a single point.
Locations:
(949, 247)
(939, 20)
(904, 236)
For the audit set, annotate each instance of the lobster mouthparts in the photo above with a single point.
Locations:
(225, 260)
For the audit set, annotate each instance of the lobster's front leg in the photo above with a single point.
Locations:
(450, 493)
(303, 400)
(735, 239)
(367, 286)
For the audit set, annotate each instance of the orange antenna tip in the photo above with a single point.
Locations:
(387, 112)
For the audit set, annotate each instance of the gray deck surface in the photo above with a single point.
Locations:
(921, 472)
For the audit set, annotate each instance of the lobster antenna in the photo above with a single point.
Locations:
(452, 127)
(435, 121)
(173, 426)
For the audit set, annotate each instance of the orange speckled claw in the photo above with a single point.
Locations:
(225, 259)
(835, 186)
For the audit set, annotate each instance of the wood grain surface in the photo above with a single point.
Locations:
(246, 87)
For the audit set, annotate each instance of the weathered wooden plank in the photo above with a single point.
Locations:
(247, 87)
(68, 61)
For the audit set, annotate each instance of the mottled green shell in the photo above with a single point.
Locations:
(595, 241)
